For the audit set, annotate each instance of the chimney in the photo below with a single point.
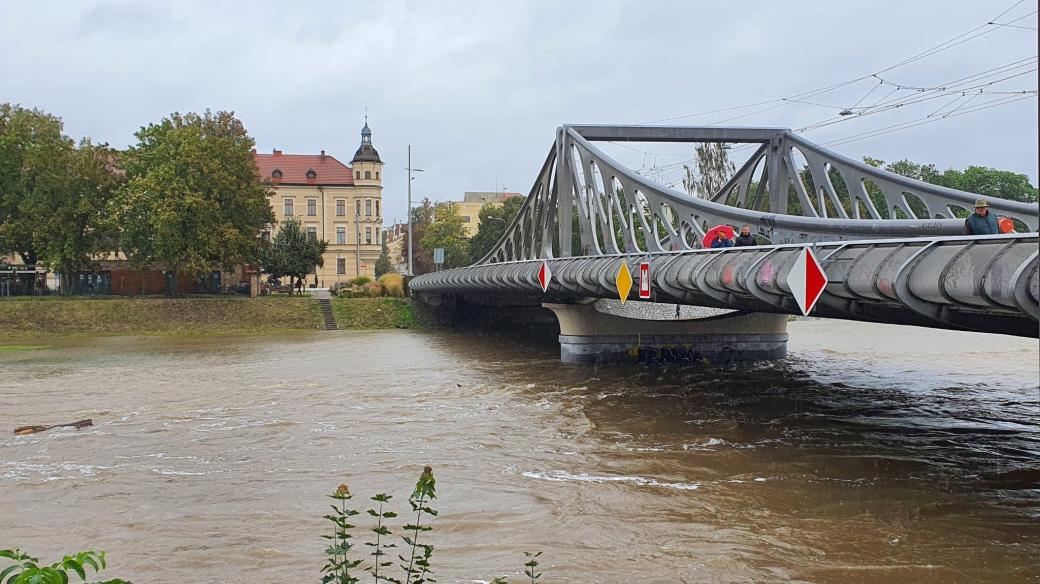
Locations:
(323, 155)
(277, 152)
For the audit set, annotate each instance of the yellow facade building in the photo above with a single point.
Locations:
(335, 202)
(473, 201)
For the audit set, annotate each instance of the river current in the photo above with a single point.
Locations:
(873, 453)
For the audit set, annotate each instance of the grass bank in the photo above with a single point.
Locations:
(20, 318)
(373, 313)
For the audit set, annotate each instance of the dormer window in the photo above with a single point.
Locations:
(311, 174)
(276, 173)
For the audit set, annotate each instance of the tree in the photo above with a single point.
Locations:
(74, 227)
(493, 221)
(293, 253)
(33, 159)
(383, 265)
(447, 231)
(54, 196)
(713, 170)
(194, 200)
(422, 258)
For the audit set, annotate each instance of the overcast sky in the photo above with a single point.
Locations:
(478, 88)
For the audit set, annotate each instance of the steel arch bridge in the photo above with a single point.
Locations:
(893, 247)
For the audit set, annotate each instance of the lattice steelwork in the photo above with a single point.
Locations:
(619, 211)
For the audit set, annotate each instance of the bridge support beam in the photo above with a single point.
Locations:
(590, 336)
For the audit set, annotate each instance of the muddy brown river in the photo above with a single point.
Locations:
(872, 454)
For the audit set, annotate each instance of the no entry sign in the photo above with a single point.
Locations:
(644, 280)
(806, 280)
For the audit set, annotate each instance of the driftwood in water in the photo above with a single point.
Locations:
(20, 430)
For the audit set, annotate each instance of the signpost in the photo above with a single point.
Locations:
(544, 275)
(806, 280)
(644, 280)
(623, 281)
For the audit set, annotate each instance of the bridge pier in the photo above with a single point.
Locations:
(588, 335)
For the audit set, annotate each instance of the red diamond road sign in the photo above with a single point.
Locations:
(806, 280)
(544, 275)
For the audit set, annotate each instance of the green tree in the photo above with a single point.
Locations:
(493, 221)
(713, 170)
(54, 196)
(33, 162)
(293, 253)
(447, 231)
(194, 200)
(422, 258)
(74, 227)
(383, 265)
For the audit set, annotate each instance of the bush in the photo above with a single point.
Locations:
(372, 290)
(393, 284)
(360, 281)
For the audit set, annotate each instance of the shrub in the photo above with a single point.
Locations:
(393, 284)
(372, 290)
(360, 281)
(27, 569)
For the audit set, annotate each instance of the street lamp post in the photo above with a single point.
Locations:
(410, 171)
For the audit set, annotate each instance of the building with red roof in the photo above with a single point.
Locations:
(336, 202)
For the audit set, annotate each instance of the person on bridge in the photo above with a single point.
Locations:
(745, 239)
(981, 222)
(722, 239)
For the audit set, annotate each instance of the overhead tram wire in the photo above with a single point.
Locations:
(945, 45)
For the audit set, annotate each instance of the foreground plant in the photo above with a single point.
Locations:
(27, 569)
(379, 547)
(337, 567)
(418, 569)
(532, 566)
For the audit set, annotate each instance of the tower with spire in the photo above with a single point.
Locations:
(367, 165)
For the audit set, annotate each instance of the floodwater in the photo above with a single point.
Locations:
(872, 454)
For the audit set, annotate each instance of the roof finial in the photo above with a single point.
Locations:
(366, 113)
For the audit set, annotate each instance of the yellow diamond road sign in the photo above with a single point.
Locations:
(624, 282)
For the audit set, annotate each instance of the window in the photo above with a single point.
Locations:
(377, 207)
(287, 207)
(358, 206)
(368, 235)
(368, 174)
(357, 174)
(368, 207)
(311, 174)
(341, 235)
(466, 219)
(377, 175)
(312, 233)
(312, 207)
(341, 207)
(341, 266)
(276, 173)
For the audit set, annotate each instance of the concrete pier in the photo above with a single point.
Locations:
(600, 334)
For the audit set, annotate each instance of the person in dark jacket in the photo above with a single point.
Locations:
(981, 222)
(745, 238)
(721, 240)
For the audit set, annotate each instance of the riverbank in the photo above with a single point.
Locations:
(45, 317)
(23, 318)
(373, 313)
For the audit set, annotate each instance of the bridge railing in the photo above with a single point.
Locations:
(583, 202)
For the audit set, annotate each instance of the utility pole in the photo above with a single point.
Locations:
(357, 244)
(410, 170)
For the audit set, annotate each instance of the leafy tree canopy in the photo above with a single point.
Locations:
(292, 252)
(194, 200)
(447, 231)
(493, 221)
